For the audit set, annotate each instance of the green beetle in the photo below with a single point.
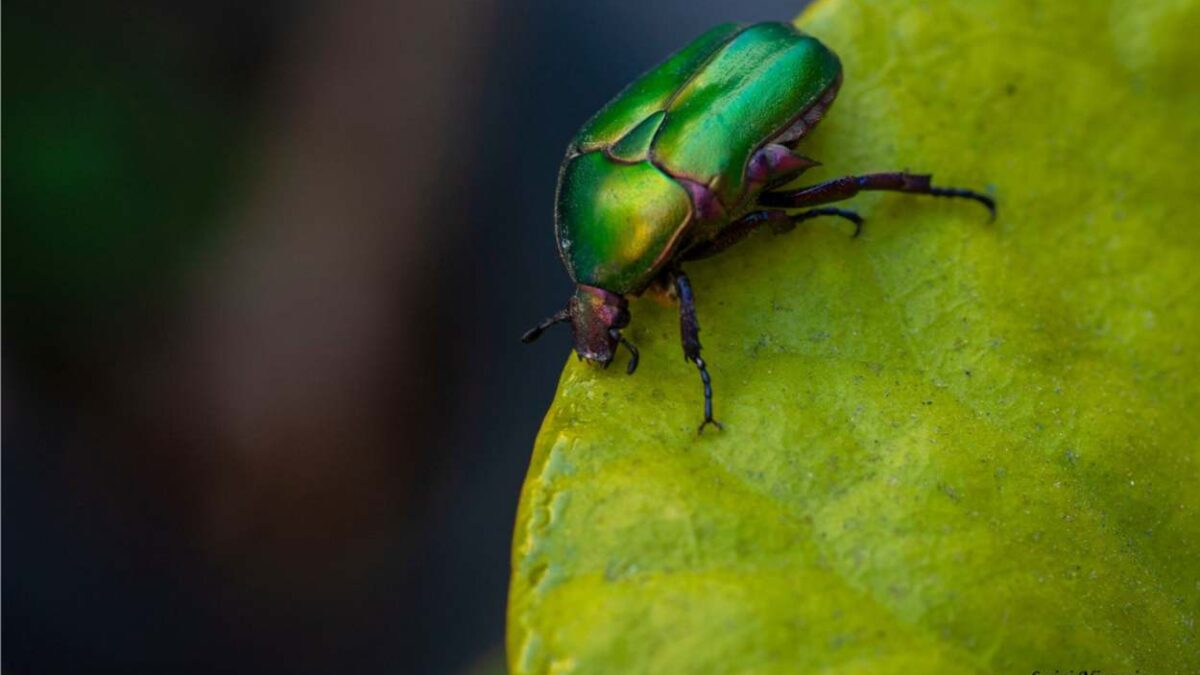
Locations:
(685, 162)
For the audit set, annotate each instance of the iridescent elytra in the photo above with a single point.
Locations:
(688, 160)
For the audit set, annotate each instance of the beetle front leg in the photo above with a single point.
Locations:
(844, 188)
(689, 330)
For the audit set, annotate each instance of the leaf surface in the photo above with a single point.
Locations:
(950, 446)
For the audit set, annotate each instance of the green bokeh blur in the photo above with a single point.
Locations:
(115, 154)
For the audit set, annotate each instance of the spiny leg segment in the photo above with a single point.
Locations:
(839, 189)
(689, 330)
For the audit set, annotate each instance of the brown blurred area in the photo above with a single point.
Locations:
(265, 267)
(300, 349)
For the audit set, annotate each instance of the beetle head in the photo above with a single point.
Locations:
(597, 317)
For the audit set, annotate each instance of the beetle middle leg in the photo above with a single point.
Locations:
(779, 222)
(689, 333)
(844, 188)
(793, 219)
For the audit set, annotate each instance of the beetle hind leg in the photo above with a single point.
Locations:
(844, 188)
(988, 202)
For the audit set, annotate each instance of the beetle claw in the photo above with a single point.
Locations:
(633, 352)
(707, 421)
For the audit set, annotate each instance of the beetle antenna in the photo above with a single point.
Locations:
(536, 332)
(633, 352)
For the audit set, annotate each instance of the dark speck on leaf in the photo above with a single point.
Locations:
(950, 492)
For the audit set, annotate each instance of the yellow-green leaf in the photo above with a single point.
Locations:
(949, 446)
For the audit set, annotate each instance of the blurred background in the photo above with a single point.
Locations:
(265, 267)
